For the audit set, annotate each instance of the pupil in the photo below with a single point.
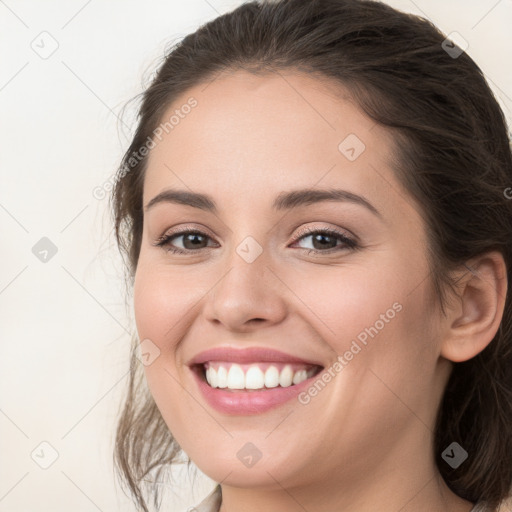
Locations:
(193, 239)
(319, 237)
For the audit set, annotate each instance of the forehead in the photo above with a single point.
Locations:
(249, 134)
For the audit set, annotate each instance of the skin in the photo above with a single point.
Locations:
(365, 441)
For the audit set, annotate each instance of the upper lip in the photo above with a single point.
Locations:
(247, 355)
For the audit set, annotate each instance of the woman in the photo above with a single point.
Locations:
(315, 215)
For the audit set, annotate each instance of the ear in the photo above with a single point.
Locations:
(474, 317)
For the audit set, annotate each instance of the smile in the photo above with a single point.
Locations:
(252, 380)
(233, 376)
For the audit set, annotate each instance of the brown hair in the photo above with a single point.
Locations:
(453, 156)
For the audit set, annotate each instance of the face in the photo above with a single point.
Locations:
(338, 285)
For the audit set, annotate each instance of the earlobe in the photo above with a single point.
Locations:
(476, 314)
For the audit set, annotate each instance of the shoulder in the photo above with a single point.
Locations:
(505, 506)
(211, 503)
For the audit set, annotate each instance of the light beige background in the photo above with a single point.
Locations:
(64, 325)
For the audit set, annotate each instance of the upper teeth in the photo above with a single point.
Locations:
(233, 376)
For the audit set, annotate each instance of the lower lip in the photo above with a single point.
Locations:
(249, 402)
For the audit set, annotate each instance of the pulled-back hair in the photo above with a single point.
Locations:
(452, 155)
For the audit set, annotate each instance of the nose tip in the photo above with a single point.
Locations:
(247, 297)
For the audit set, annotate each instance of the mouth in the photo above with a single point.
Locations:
(251, 380)
(258, 376)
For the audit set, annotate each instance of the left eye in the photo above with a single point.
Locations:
(322, 241)
(325, 240)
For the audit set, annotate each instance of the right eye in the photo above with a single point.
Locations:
(192, 240)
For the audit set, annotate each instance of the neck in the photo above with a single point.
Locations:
(403, 481)
(433, 496)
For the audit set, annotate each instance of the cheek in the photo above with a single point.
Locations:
(380, 318)
(344, 302)
(154, 302)
(164, 298)
(161, 301)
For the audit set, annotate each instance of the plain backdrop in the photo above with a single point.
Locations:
(67, 69)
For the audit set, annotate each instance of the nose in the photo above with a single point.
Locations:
(249, 296)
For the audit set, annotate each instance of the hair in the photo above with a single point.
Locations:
(453, 156)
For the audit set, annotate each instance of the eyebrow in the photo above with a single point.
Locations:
(284, 201)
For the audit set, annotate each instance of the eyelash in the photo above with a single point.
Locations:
(165, 240)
